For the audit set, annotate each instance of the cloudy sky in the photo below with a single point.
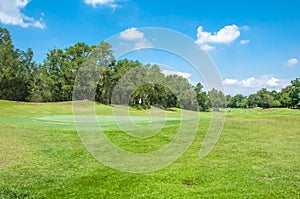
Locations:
(253, 44)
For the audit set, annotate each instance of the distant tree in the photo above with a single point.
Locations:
(238, 101)
(21, 79)
(105, 62)
(40, 88)
(285, 99)
(123, 72)
(15, 69)
(265, 98)
(295, 93)
(253, 101)
(217, 98)
(276, 95)
(74, 58)
(62, 68)
(228, 100)
(93, 81)
(184, 92)
(202, 98)
(26, 67)
(276, 104)
(243, 103)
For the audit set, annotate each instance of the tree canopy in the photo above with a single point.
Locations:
(122, 82)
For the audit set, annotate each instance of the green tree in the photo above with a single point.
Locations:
(253, 100)
(285, 99)
(183, 91)
(265, 98)
(217, 98)
(295, 93)
(15, 69)
(276, 104)
(74, 58)
(123, 72)
(40, 90)
(202, 98)
(238, 101)
(88, 83)
(26, 69)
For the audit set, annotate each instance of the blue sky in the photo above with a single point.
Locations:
(254, 44)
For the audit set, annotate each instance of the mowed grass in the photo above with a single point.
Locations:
(42, 156)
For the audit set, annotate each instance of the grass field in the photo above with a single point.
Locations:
(42, 156)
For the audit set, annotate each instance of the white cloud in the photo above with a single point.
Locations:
(109, 3)
(230, 82)
(182, 74)
(243, 42)
(225, 35)
(131, 34)
(144, 43)
(207, 47)
(10, 14)
(21, 3)
(135, 38)
(251, 85)
(273, 82)
(250, 82)
(292, 62)
(246, 28)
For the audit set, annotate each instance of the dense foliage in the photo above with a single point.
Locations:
(288, 97)
(124, 81)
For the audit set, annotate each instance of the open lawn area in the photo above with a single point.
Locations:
(42, 156)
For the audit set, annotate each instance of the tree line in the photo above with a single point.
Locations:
(121, 82)
(288, 97)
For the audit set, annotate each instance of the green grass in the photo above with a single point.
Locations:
(42, 156)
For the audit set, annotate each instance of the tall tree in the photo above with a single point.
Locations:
(40, 87)
(295, 93)
(253, 100)
(202, 98)
(15, 69)
(217, 98)
(265, 98)
(75, 56)
(62, 66)
(238, 101)
(285, 99)
(99, 62)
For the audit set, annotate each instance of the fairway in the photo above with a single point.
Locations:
(102, 120)
(105, 122)
(42, 156)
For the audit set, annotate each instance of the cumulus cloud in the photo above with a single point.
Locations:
(250, 82)
(182, 74)
(225, 35)
(230, 82)
(131, 34)
(21, 3)
(292, 62)
(253, 82)
(273, 82)
(243, 42)
(10, 14)
(207, 47)
(247, 83)
(251, 85)
(108, 3)
(143, 43)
